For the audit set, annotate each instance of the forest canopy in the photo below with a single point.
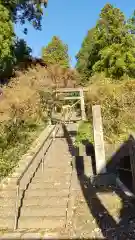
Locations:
(12, 49)
(109, 47)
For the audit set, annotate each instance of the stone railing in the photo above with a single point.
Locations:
(29, 164)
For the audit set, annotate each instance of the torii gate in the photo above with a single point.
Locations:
(80, 97)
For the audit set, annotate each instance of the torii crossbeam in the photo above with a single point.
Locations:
(81, 97)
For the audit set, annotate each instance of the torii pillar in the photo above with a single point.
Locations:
(82, 105)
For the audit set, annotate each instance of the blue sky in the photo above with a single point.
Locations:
(70, 20)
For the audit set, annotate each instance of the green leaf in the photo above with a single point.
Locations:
(56, 52)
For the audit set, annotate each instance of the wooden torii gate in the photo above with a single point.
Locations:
(80, 97)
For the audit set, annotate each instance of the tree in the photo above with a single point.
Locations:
(83, 55)
(116, 44)
(112, 49)
(22, 10)
(6, 42)
(22, 51)
(56, 52)
(11, 49)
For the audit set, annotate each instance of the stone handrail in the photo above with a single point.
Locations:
(34, 161)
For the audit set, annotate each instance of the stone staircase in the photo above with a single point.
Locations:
(45, 204)
(45, 200)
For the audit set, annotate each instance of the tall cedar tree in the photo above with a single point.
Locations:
(56, 53)
(83, 55)
(111, 46)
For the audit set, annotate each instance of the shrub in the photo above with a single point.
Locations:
(117, 104)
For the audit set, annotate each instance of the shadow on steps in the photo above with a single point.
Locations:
(110, 228)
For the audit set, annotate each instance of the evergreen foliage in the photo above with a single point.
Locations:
(109, 47)
(56, 53)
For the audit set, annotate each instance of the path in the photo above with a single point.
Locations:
(62, 203)
(45, 203)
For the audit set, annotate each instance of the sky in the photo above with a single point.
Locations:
(69, 20)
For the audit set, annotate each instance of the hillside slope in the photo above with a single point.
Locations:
(22, 113)
(117, 100)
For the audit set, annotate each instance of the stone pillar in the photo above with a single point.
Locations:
(132, 159)
(82, 105)
(98, 140)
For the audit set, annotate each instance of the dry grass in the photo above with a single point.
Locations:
(21, 118)
(118, 109)
(22, 92)
(22, 115)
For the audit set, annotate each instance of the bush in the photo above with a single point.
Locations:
(15, 140)
(22, 118)
(117, 104)
(85, 132)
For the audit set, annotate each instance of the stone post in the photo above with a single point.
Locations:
(98, 140)
(132, 159)
(82, 105)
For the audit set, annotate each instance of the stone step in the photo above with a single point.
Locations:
(7, 211)
(60, 163)
(9, 193)
(10, 202)
(50, 174)
(41, 222)
(48, 185)
(42, 192)
(39, 211)
(8, 235)
(12, 183)
(7, 222)
(47, 173)
(88, 169)
(51, 179)
(10, 186)
(63, 168)
(58, 166)
(46, 202)
(47, 193)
